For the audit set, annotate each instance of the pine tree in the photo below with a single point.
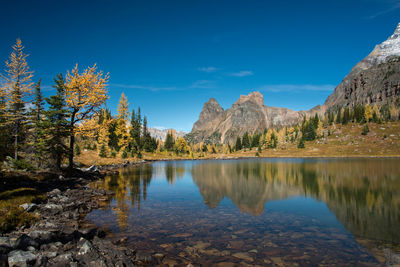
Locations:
(169, 142)
(339, 116)
(17, 82)
(135, 131)
(85, 93)
(38, 135)
(56, 126)
(246, 140)
(301, 143)
(238, 145)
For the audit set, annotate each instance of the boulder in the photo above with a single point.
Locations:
(21, 258)
(24, 241)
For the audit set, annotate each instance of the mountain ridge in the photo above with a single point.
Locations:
(374, 80)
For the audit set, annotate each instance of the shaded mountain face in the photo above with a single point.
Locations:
(247, 114)
(375, 80)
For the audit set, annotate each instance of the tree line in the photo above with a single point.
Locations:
(41, 132)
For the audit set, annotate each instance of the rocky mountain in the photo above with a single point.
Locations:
(247, 114)
(160, 134)
(374, 80)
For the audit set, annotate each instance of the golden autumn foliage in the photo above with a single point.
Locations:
(368, 112)
(122, 123)
(85, 92)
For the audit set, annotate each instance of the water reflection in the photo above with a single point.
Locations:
(363, 194)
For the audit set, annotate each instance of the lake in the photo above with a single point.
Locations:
(286, 212)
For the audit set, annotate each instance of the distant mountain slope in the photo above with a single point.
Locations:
(375, 80)
(160, 134)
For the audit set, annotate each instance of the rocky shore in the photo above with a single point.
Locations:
(61, 237)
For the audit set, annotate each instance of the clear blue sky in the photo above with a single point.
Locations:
(170, 57)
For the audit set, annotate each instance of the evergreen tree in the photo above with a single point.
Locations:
(135, 131)
(18, 84)
(169, 142)
(38, 135)
(274, 140)
(308, 131)
(315, 121)
(56, 126)
(346, 116)
(301, 143)
(238, 145)
(359, 112)
(339, 116)
(246, 140)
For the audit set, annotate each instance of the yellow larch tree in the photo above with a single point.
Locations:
(368, 113)
(122, 123)
(16, 86)
(85, 94)
(104, 134)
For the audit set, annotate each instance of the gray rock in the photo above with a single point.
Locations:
(85, 246)
(53, 207)
(42, 237)
(21, 258)
(55, 192)
(28, 206)
(24, 241)
(5, 241)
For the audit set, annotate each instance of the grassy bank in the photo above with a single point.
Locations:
(382, 140)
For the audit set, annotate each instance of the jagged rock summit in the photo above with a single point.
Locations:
(248, 113)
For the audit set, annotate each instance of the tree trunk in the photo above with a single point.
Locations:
(72, 142)
(71, 151)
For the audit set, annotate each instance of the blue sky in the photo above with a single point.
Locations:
(170, 57)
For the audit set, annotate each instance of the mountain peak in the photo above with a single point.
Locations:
(382, 52)
(255, 97)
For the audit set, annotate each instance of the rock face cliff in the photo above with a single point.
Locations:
(247, 114)
(374, 80)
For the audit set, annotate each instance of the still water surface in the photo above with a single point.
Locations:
(258, 211)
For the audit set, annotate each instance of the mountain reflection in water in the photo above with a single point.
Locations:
(363, 194)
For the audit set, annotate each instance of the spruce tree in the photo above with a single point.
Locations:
(246, 140)
(169, 142)
(56, 126)
(238, 145)
(38, 133)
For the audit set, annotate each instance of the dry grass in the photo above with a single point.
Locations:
(11, 215)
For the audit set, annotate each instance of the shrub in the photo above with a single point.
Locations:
(301, 144)
(124, 154)
(365, 130)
